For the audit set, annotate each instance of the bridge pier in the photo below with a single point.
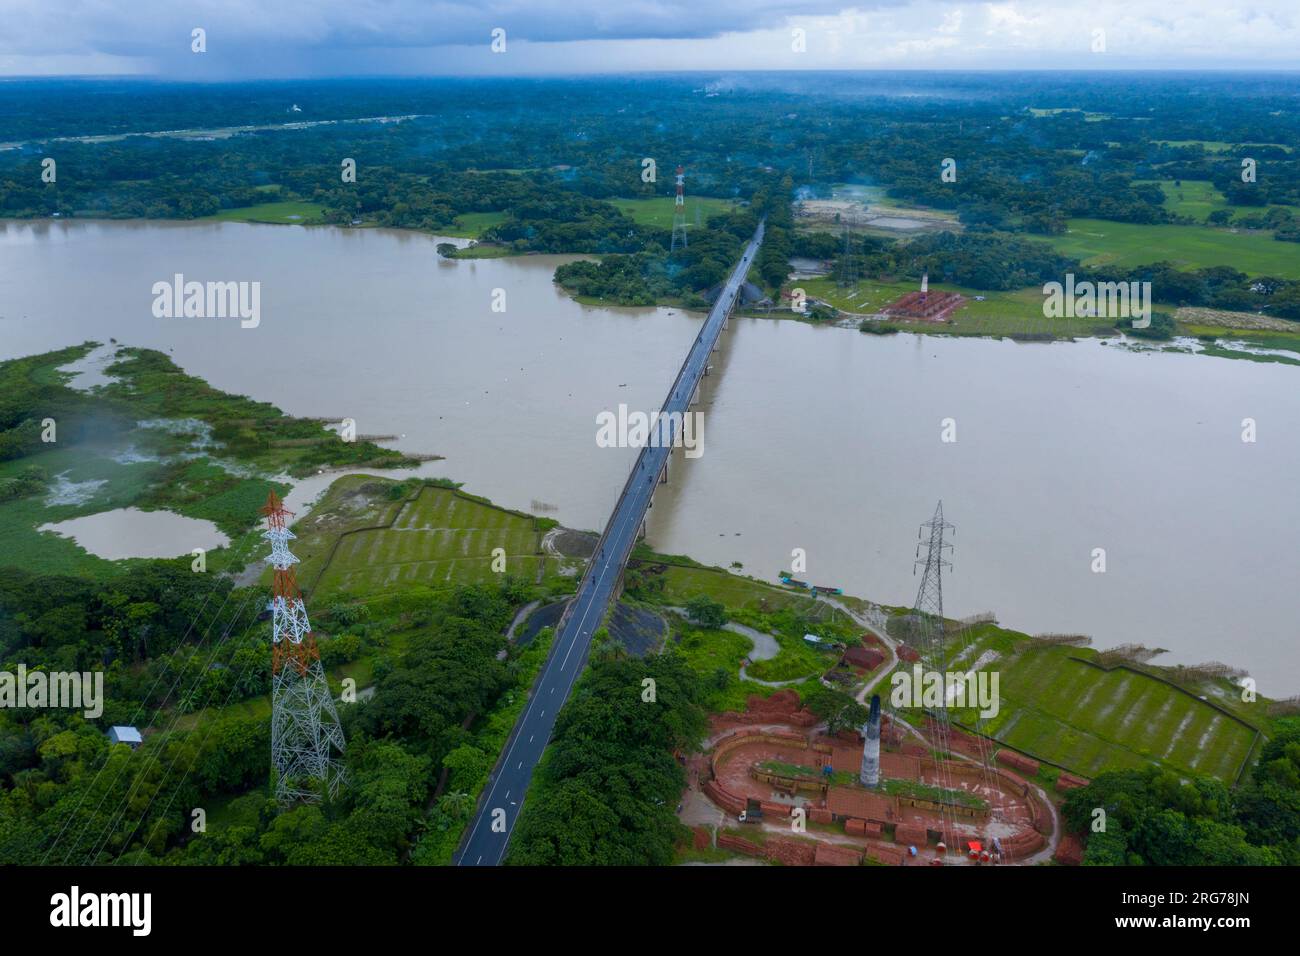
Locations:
(663, 475)
(695, 396)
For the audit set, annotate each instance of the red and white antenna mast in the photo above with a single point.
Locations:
(679, 212)
(305, 731)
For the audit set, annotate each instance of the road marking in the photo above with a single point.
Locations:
(530, 740)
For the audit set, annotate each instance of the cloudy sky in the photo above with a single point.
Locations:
(246, 38)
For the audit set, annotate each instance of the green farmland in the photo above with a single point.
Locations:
(1196, 198)
(1098, 242)
(659, 211)
(362, 541)
(1058, 706)
(1217, 145)
(301, 213)
(471, 225)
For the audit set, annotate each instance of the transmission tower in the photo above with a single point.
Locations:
(679, 212)
(305, 731)
(847, 273)
(927, 617)
(929, 597)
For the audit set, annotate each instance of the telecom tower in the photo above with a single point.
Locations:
(305, 731)
(679, 212)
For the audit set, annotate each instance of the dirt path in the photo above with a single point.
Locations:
(520, 616)
(876, 627)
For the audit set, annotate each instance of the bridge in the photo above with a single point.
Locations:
(498, 809)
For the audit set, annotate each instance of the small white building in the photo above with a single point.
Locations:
(125, 735)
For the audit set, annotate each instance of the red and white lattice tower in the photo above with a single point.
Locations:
(305, 731)
(679, 212)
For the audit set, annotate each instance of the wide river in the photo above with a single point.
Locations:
(814, 438)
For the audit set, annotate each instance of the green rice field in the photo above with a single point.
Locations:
(366, 543)
(301, 213)
(1058, 705)
(1098, 242)
(659, 210)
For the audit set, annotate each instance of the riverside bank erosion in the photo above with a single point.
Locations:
(817, 439)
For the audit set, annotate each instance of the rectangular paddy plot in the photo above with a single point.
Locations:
(438, 539)
(1059, 708)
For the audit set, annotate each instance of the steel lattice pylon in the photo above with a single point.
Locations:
(929, 596)
(927, 616)
(305, 731)
(679, 212)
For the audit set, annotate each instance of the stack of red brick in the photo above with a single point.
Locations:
(892, 856)
(1069, 851)
(862, 827)
(829, 855)
(1068, 781)
(1017, 761)
(911, 834)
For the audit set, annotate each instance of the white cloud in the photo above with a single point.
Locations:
(295, 37)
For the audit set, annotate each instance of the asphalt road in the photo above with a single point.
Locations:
(498, 810)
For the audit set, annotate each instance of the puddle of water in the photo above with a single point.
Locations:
(67, 492)
(89, 371)
(132, 533)
(306, 492)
